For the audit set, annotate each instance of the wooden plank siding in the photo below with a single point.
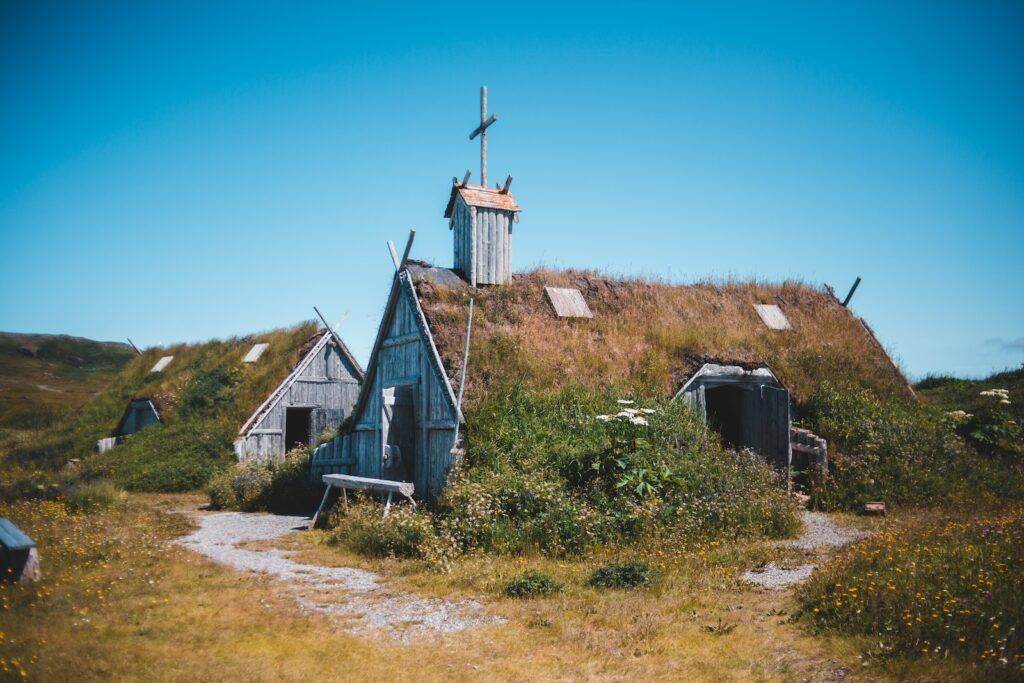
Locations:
(403, 356)
(482, 243)
(329, 384)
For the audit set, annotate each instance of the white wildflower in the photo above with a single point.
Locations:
(1005, 401)
(628, 411)
(604, 418)
(625, 402)
(997, 393)
(637, 420)
(648, 411)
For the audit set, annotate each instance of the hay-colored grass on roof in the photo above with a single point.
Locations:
(646, 336)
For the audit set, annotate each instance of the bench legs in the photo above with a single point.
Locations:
(323, 501)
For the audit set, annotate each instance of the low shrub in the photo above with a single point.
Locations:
(530, 584)
(902, 452)
(91, 496)
(941, 588)
(282, 487)
(405, 532)
(165, 458)
(562, 472)
(625, 575)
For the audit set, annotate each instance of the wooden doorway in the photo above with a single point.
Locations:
(297, 427)
(398, 433)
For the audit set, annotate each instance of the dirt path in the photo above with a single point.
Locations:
(356, 598)
(820, 531)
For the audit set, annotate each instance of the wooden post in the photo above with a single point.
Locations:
(465, 364)
(323, 501)
(853, 289)
(133, 345)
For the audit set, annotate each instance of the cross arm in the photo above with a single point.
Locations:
(483, 126)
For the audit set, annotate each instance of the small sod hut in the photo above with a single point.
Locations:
(283, 388)
(739, 352)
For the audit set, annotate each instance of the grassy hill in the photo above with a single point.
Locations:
(45, 377)
(954, 393)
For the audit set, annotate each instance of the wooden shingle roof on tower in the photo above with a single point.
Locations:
(481, 197)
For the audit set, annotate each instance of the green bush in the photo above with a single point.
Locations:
(625, 575)
(530, 584)
(91, 496)
(282, 487)
(902, 452)
(405, 532)
(562, 472)
(165, 458)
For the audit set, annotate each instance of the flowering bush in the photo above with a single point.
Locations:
(561, 473)
(937, 589)
(900, 452)
(405, 532)
(991, 424)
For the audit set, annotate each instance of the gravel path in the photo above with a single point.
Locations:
(357, 597)
(820, 531)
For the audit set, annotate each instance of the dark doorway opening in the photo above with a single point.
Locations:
(398, 424)
(728, 412)
(296, 427)
(754, 416)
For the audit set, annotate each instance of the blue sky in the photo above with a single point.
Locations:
(182, 171)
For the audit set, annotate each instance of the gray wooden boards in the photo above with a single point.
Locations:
(255, 352)
(161, 364)
(568, 302)
(348, 481)
(773, 317)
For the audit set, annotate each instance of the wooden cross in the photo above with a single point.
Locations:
(481, 130)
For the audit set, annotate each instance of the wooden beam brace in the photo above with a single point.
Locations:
(483, 126)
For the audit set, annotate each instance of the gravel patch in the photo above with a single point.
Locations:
(820, 531)
(773, 577)
(358, 598)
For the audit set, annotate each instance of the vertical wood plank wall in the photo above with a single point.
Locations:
(403, 359)
(328, 385)
(483, 240)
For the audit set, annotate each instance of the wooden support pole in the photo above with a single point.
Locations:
(133, 345)
(849, 295)
(323, 502)
(465, 365)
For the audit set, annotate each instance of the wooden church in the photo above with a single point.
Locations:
(450, 337)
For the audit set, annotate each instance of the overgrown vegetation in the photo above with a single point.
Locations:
(989, 412)
(281, 487)
(561, 473)
(901, 452)
(939, 588)
(204, 394)
(621, 575)
(530, 584)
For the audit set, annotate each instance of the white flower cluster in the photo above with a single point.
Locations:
(959, 415)
(1002, 394)
(631, 415)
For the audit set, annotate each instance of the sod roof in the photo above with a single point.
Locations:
(646, 336)
(253, 382)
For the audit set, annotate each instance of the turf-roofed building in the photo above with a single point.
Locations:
(739, 352)
(280, 389)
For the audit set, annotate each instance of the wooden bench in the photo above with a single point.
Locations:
(347, 482)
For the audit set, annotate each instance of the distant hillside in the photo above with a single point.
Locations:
(43, 377)
(953, 393)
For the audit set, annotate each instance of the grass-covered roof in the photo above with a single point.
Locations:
(645, 335)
